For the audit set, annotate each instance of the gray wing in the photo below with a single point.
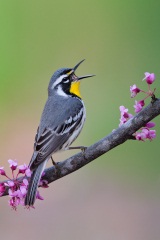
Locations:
(52, 140)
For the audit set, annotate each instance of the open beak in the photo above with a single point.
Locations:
(76, 78)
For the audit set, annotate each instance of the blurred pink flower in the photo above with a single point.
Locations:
(28, 172)
(2, 172)
(38, 196)
(124, 115)
(2, 189)
(43, 183)
(149, 77)
(138, 105)
(140, 136)
(17, 188)
(23, 190)
(150, 124)
(12, 164)
(151, 134)
(134, 90)
(9, 183)
(145, 134)
(22, 168)
(25, 182)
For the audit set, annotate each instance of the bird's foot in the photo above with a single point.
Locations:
(82, 148)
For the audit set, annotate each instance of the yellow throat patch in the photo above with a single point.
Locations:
(75, 88)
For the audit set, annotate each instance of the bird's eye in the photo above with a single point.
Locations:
(65, 80)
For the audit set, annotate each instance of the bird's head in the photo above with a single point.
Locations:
(64, 82)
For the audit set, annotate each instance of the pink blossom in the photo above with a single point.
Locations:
(28, 172)
(12, 193)
(138, 105)
(150, 124)
(18, 193)
(151, 134)
(43, 183)
(124, 115)
(15, 199)
(134, 90)
(140, 136)
(12, 164)
(122, 120)
(13, 202)
(25, 182)
(22, 168)
(23, 191)
(9, 183)
(149, 77)
(2, 172)
(17, 196)
(38, 196)
(124, 111)
(2, 189)
(145, 134)
(17, 188)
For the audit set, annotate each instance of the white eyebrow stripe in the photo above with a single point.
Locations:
(59, 80)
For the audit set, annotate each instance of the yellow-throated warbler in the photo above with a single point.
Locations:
(61, 122)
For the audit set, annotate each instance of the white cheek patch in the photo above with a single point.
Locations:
(58, 80)
(61, 92)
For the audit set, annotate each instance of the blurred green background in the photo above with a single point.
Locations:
(117, 196)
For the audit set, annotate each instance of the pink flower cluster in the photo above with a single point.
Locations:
(145, 132)
(150, 78)
(17, 187)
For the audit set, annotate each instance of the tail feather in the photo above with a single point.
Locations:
(33, 185)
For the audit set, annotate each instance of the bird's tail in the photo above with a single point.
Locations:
(33, 185)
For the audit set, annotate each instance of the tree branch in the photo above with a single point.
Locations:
(115, 138)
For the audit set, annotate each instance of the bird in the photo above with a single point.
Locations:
(61, 122)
